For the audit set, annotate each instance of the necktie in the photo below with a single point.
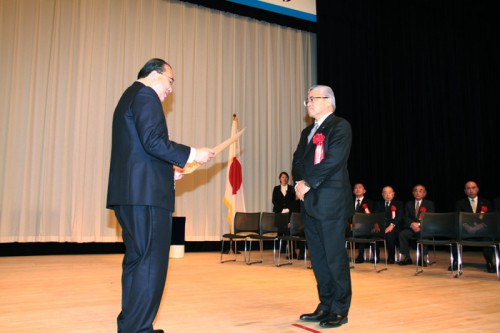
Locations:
(387, 204)
(357, 204)
(314, 129)
(473, 203)
(417, 208)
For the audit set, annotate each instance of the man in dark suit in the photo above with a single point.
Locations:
(393, 219)
(141, 191)
(474, 204)
(362, 204)
(365, 206)
(322, 184)
(414, 211)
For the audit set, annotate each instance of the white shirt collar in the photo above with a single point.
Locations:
(322, 119)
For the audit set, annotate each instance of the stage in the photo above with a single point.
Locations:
(81, 293)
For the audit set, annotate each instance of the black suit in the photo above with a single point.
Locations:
(281, 201)
(395, 206)
(141, 192)
(412, 216)
(369, 204)
(326, 209)
(464, 205)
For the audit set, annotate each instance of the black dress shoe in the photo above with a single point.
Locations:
(317, 315)
(406, 261)
(158, 331)
(391, 262)
(359, 260)
(490, 268)
(333, 320)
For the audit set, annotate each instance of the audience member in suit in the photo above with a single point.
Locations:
(365, 206)
(474, 204)
(285, 202)
(414, 211)
(141, 191)
(322, 184)
(393, 219)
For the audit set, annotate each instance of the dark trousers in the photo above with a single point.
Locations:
(390, 240)
(147, 232)
(404, 241)
(326, 244)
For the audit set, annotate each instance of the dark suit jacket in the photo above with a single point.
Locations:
(369, 203)
(142, 156)
(410, 211)
(281, 201)
(398, 219)
(463, 205)
(330, 195)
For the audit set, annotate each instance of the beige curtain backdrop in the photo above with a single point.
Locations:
(64, 65)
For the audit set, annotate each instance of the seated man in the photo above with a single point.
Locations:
(393, 217)
(361, 205)
(414, 211)
(474, 204)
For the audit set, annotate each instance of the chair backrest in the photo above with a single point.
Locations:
(281, 222)
(441, 225)
(484, 226)
(267, 223)
(246, 222)
(296, 224)
(363, 225)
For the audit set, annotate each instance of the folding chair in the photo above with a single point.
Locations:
(244, 225)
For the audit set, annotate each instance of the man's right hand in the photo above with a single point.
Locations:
(204, 154)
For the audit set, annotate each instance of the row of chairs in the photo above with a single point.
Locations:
(282, 229)
(447, 229)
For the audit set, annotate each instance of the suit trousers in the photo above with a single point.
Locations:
(326, 244)
(147, 233)
(404, 242)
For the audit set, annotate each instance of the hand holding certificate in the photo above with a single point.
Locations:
(189, 168)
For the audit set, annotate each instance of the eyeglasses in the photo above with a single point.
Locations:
(170, 79)
(312, 98)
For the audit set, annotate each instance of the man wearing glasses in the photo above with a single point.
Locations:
(322, 185)
(141, 191)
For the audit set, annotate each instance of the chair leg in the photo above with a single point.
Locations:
(352, 250)
(249, 261)
(420, 258)
(230, 251)
(375, 258)
(496, 262)
(435, 257)
(287, 252)
(451, 259)
(459, 260)
(274, 251)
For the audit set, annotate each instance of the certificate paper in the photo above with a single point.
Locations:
(220, 147)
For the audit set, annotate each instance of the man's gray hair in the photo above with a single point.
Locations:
(327, 92)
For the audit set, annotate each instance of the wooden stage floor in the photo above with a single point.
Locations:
(81, 293)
